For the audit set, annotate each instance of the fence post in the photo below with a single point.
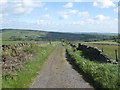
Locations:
(49, 42)
(102, 50)
(116, 55)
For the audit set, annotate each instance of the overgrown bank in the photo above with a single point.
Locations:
(24, 76)
(103, 75)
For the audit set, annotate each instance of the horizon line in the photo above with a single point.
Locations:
(59, 31)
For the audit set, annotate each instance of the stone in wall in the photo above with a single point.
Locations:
(94, 53)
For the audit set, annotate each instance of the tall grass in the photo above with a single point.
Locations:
(104, 75)
(31, 69)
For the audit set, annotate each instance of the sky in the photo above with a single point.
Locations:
(60, 16)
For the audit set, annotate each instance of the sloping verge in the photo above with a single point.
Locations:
(104, 75)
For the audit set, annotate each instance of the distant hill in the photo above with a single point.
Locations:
(37, 35)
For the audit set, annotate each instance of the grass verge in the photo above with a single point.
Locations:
(103, 75)
(25, 76)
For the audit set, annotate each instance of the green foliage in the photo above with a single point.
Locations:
(15, 38)
(24, 77)
(104, 75)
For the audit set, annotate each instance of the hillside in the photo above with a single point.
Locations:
(37, 35)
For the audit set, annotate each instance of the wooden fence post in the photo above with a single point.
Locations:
(116, 55)
(49, 42)
(102, 50)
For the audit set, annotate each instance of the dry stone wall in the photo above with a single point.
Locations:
(93, 53)
(5, 47)
(14, 56)
(106, 44)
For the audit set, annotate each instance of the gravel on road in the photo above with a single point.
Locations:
(57, 72)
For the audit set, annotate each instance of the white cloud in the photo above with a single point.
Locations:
(64, 17)
(3, 5)
(67, 13)
(83, 14)
(20, 7)
(103, 3)
(78, 0)
(97, 20)
(3, 18)
(46, 23)
(101, 18)
(117, 9)
(99, 23)
(74, 11)
(40, 21)
(2, 2)
(46, 16)
(116, 20)
(68, 5)
(31, 3)
(76, 23)
(46, 9)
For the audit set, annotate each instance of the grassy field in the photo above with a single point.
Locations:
(24, 77)
(108, 49)
(21, 33)
(103, 75)
(104, 42)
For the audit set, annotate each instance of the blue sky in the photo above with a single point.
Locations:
(97, 16)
